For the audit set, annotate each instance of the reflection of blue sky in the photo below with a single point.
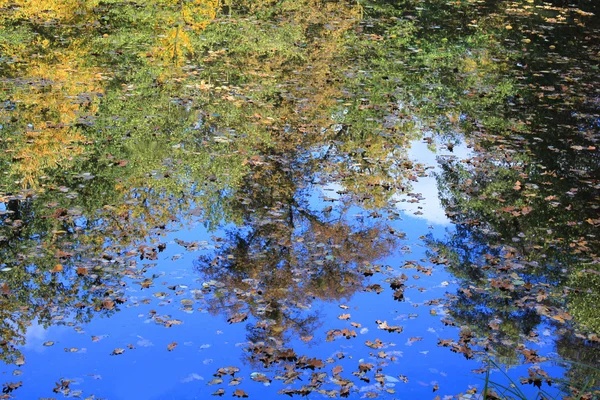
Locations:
(35, 336)
(430, 209)
(207, 342)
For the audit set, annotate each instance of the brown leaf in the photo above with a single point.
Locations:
(4, 290)
(399, 295)
(364, 367)
(81, 271)
(374, 288)
(9, 387)
(239, 317)
(345, 391)
(108, 304)
(526, 210)
(57, 268)
(226, 371)
(235, 381)
(258, 377)
(384, 326)
(313, 363)
(517, 185)
(287, 355)
(348, 333)
(62, 254)
(146, 283)
(377, 344)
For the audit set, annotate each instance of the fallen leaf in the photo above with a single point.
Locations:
(239, 317)
(117, 352)
(384, 326)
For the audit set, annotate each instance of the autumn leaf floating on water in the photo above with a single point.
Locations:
(10, 386)
(231, 371)
(374, 288)
(536, 377)
(384, 326)
(377, 344)
(310, 363)
(4, 289)
(239, 317)
(235, 381)
(108, 304)
(81, 271)
(258, 377)
(347, 333)
(117, 352)
(57, 268)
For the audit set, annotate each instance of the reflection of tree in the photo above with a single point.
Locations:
(494, 313)
(581, 363)
(123, 118)
(58, 69)
(516, 256)
(68, 245)
(53, 279)
(285, 256)
(526, 211)
(135, 167)
(183, 17)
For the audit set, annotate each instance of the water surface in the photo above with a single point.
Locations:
(304, 198)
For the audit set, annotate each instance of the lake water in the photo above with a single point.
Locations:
(320, 199)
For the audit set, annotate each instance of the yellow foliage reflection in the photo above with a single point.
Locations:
(190, 15)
